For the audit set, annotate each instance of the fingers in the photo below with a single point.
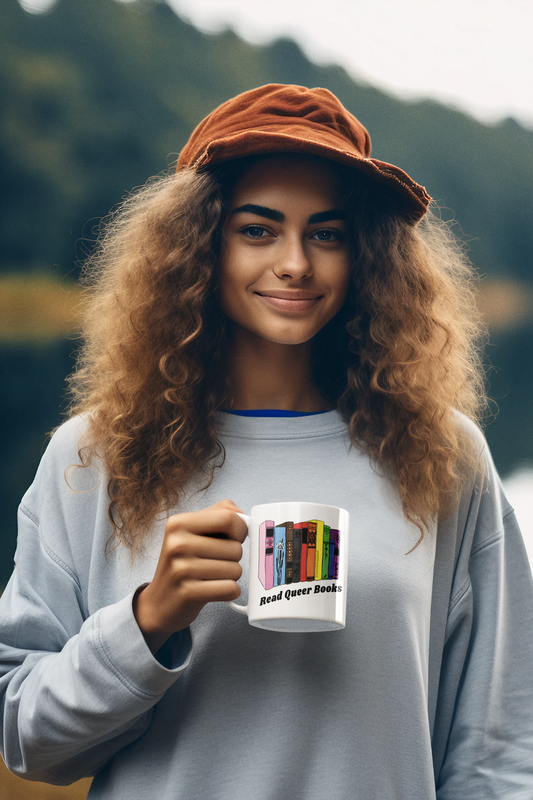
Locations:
(220, 519)
(202, 592)
(204, 569)
(229, 504)
(182, 544)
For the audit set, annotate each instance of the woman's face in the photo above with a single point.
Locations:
(285, 262)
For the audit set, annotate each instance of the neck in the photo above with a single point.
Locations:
(264, 374)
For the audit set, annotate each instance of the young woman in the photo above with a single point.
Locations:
(280, 320)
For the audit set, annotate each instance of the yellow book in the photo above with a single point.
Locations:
(319, 548)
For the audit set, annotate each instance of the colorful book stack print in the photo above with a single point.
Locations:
(293, 552)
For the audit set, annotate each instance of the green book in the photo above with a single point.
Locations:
(319, 548)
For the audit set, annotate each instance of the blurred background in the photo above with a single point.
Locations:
(96, 96)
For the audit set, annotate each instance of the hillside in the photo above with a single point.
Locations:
(99, 95)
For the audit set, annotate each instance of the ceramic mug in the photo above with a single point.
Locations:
(297, 567)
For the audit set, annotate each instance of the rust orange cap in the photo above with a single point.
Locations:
(279, 118)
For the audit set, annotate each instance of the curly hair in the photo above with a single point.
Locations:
(401, 355)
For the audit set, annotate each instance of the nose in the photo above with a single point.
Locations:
(292, 260)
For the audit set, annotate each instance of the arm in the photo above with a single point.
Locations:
(483, 738)
(74, 690)
(77, 681)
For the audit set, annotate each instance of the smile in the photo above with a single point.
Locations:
(290, 301)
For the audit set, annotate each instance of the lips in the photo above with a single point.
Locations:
(290, 294)
(286, 300)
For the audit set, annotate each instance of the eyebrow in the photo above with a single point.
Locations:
(261, 211)
(279, 216)
(327, 216)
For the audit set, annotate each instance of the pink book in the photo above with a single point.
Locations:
(269, 558)
(266, 553)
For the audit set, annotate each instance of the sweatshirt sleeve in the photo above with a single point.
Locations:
(483, 738)
(75, 688)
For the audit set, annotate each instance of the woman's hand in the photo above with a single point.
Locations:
(198, 564)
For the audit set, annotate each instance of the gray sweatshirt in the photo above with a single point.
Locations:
(427, 692)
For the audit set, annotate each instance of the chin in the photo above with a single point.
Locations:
(288, 335)
(289, 338)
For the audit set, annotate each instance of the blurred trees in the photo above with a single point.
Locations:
(97, 96)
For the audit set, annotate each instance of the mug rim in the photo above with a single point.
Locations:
(297, 502)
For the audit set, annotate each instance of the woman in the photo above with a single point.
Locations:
(274, 322)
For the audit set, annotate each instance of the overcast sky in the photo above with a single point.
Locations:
(475, 54)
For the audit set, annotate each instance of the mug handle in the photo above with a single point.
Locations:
(232, 603)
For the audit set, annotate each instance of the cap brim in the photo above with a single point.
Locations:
(413, 200)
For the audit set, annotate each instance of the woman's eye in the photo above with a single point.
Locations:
(254, 231)
(327, 235)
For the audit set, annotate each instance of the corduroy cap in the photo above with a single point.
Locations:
(279, 118)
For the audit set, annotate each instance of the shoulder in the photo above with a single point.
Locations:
(62, 472)
(68, 447)
(482, 494)
(65, 440)
(478, 462)
(65, 507)
(471, 433)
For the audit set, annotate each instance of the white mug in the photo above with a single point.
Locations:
(298, 567)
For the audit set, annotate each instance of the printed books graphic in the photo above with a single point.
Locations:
(294, 552)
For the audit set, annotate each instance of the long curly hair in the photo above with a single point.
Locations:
(400, 356)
